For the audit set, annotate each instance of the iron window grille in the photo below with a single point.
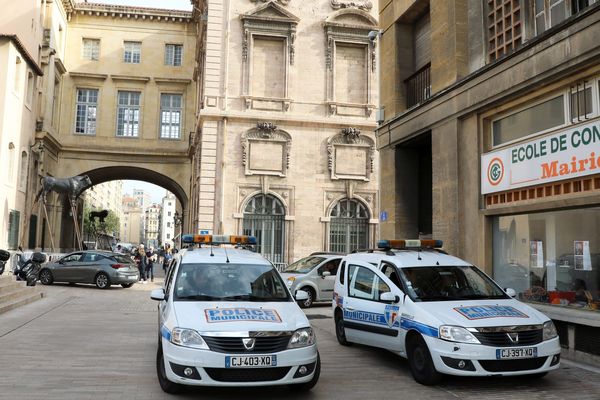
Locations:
(264, 218)
(349, 226)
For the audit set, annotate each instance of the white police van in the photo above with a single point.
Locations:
(226, 318)
(441, 313)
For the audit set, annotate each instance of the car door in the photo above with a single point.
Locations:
(91, 264)
(66, 270)
(325, 283)
(163, 306)
(367, 319)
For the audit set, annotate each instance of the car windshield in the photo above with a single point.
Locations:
(442, 283)
(229, 282)
(304, 265)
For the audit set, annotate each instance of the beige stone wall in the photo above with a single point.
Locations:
(303, 117)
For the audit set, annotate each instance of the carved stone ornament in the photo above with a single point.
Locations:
(351, 155)
(361, 5)
(266, 150)
(266, 129)
(351, 135)
(284, 2)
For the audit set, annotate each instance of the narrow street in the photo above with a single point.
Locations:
(84, 343)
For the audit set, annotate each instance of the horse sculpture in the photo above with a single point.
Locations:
(101, 215)
(73, 186)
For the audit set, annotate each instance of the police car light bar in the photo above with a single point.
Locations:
(407, 244)
(219, 239)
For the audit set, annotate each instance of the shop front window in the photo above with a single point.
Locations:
(551, 257)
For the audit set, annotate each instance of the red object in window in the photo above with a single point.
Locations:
(553, 295)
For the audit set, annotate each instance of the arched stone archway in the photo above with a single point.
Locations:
(105, 174)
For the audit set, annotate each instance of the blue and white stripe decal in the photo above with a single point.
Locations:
(419, 327)
(165, 332)
(366, 316)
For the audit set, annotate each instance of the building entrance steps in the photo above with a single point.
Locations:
(15, 293)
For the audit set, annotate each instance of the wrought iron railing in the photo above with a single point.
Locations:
(418, 86)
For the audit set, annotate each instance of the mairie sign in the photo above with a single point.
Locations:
(570, 153)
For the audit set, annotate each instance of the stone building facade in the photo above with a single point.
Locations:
(490, 143)
(284, 147)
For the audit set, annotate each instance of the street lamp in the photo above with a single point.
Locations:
(177, 219)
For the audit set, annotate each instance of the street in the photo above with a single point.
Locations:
(84, 343)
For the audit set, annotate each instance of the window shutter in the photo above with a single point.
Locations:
(422, 41)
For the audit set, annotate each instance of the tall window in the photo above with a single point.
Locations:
(170, 116)
(133, 52)
(87, 107)
(30, 87)
(264, 218)
(55, 102)
(349, 226)
(173, 54)
(549, 13)
(91, 49)
(17, 79)
(128, 114)
(14, 218)
(23, 172)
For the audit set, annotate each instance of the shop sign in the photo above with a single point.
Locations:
(564, 155)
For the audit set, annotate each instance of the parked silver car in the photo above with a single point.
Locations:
(315, 275)
(102, 268)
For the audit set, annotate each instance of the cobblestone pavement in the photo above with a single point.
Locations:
(84, 343)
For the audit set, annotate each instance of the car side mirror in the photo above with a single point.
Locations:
(325, 273)
(389, 297)
(510, 292)
(158, 294)
(301, 295)
(61, 262)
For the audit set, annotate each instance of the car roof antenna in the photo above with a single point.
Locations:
(419, 253)
(226, 255)
(211, 251)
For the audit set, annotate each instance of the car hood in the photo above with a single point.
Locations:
(286, 275)
(239, 316)
(482, 313)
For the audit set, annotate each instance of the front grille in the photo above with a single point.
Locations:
(501, 339)
(526, 364)
(233, 345)
(247, 374)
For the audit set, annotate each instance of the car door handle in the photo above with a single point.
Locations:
(350, 308)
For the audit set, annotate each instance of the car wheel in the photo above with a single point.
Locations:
(421, 364)
(311, 298)
(46, 277)
(306, 386)
(102, 281)
(127, 285)
(165, 384)
(340, 331)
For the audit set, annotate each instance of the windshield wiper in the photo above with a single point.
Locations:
(200, 297)
(441, 297)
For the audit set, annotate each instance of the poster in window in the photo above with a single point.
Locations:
(583, 260)
(536, 253)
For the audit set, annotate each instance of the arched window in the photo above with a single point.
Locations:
(349, 226)
(264, 218)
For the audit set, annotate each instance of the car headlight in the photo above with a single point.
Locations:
(302, 338)
(549, 330)
(290, 281)
(188, 338)
(457, 334)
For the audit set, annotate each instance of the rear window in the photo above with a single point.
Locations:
(122, 258)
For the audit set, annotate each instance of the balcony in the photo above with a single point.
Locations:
(418, 86)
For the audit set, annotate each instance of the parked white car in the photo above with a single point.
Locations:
(441, 313)
(226, 318)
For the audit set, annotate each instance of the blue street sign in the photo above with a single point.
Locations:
(383, 216)
(202, 232)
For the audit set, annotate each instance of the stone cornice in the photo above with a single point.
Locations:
(81, 75)
(129, 78)
(128, 12)
(178, 81)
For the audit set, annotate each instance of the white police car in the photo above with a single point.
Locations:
(226, 318)
(441, 313)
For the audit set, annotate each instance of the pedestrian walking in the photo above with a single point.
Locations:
(150, 260)
(167, 257)
(140, 259)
